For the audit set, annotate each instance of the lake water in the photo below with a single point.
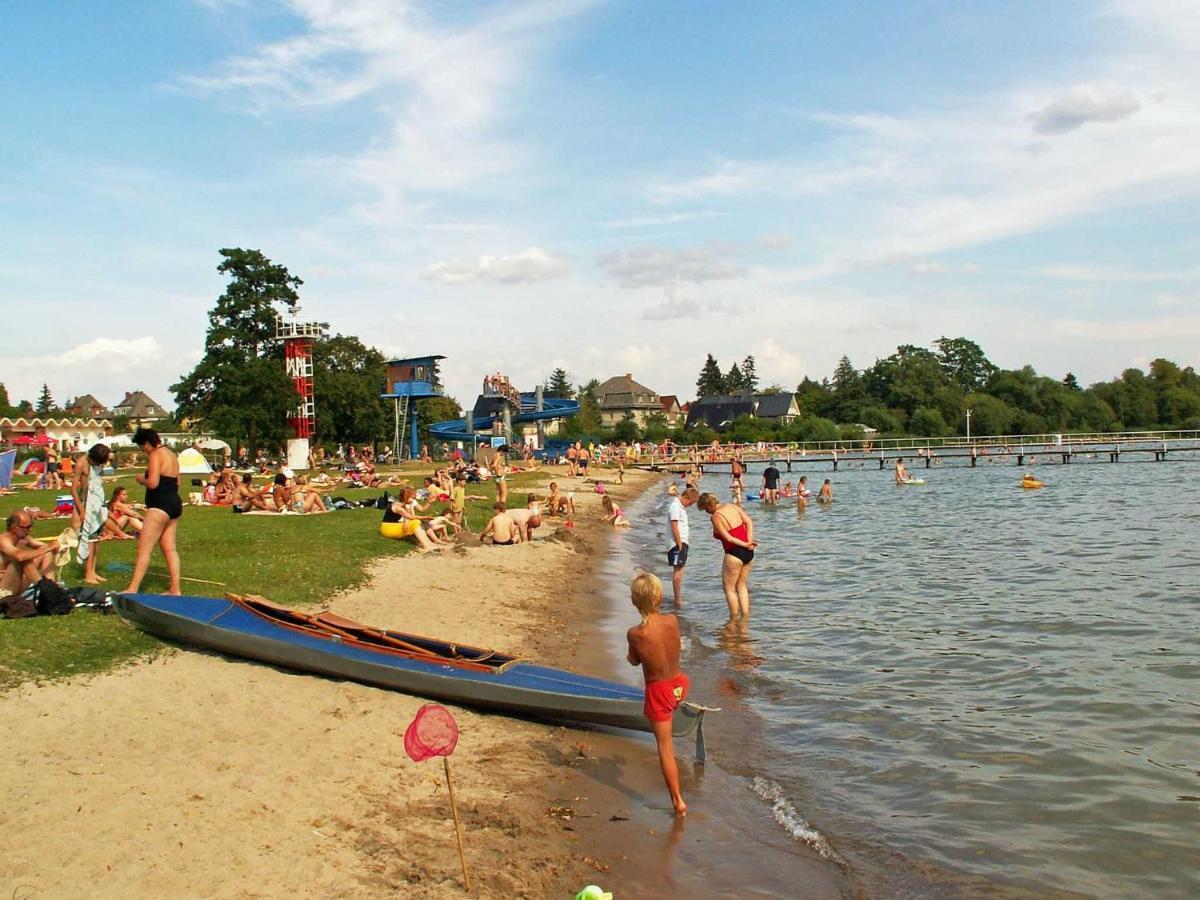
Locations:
(965, 683)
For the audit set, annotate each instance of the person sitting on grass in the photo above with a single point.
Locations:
(306, 499)
(501, 528)
(529, 518)
(654, 645)
(612, 513)
(121, 515)
(248, 498)
(23, 560)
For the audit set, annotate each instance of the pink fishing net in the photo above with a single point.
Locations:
(433, 732)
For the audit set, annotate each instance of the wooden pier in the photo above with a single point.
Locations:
(991, 450)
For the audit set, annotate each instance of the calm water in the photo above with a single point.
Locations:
(967, 679)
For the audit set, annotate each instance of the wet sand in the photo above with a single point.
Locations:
(195, 775)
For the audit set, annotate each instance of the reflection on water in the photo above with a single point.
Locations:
(1000, 681)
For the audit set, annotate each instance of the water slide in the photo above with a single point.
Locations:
(552, 408)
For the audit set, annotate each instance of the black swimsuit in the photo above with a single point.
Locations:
(165, 496)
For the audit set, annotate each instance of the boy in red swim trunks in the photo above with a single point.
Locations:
(654, 645)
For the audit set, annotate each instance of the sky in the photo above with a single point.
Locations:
(606, 187)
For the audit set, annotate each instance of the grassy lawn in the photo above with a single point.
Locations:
(295, 560)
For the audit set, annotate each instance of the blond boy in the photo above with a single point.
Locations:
(654, 645)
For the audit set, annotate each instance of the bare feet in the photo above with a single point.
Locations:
(680, 808)
(96, 579)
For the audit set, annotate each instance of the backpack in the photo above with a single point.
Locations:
(18, 606)
(51, 598)
(383, 502)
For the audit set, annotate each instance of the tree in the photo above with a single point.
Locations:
(346, 382)
(927, 422)
(813, 398)
(45, 404)
(559, 385)
(749, 374)
(656, 428)
(627, 429)
(588, 417)
(849, 392)
(711, 381)
(964, 362)
(434, 409)
(1071, 382)
(240, 387)
(734, 382)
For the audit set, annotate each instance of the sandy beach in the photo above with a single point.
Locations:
(194, 775)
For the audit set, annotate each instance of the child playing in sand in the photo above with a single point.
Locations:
(439, 528)
(654, 645)
(612, 513)
(501, 528)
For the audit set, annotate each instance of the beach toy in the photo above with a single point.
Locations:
(1029, 482)
(593, 892)
(433, 732)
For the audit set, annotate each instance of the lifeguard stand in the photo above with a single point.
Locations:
(409, 380)
(298, 340)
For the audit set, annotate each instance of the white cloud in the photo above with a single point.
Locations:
(933, 267)
(1104, 273)
(658, 221)
(777, 365)
(776, 241)
(104, 367)
(673, 308)
(534, 264)
(1084, 104)
(650, 266)
(444, 90)
(1145, 329)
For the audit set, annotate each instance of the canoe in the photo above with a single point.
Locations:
(327, 644)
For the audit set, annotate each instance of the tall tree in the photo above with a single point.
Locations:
(965, 362)
(735, 381)
(589, 408)
(559, 385)
(711, 381)
(45, 404)
(749, 373)
(346, 382)
(240, 388)
(1071, 381)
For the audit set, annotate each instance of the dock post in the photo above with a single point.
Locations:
(1066, 458)
(1020, 459)
(927, 460)
(880, 462)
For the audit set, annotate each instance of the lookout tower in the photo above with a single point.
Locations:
(409, 380)
(298, 340)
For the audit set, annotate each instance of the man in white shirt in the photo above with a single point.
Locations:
(677, 519)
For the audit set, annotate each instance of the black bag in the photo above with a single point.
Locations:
(52, 599)
(91, 597)
(18, 606)
(382, 502)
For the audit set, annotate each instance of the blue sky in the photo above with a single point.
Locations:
(605, 186)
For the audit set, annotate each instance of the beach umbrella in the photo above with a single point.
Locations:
(42, 440)
(212, 444)
(23, 440)
(433, 732)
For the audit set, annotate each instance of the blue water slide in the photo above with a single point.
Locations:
(552, 408)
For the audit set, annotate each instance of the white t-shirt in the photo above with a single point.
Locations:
(677, 512)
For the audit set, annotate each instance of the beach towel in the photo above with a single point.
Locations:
(7, 460)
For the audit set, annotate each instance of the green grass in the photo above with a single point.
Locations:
(290, 559)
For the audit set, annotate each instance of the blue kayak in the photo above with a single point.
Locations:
(327, 644)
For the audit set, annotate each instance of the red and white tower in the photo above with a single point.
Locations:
(298, 358)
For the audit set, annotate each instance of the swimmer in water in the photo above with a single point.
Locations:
(901, 472)
(826, 494)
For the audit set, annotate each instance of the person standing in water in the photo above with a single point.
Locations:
(901, 472)
(163, 509)
(677, 518)
(735, 530)
(770, 485)
(826, 495)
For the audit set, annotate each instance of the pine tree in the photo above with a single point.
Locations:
(1072, 382)
(735, 382)
(711, 381)
(45, 404)
(559, 385)
(749, 374)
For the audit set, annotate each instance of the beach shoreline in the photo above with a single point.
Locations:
(198, 775)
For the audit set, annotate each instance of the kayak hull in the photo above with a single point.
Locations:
(512, 685)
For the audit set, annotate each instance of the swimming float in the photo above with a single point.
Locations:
(1029, 483)
(912, 481)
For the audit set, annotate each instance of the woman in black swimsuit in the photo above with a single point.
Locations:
(163, 509)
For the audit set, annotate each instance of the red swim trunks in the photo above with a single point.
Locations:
(663, 696)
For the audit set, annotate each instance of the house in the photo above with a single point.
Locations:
(86, 406)
(137, 405)
(621, 396)
(719, 410)
(780, 407)
(671, 409)
(64, 433)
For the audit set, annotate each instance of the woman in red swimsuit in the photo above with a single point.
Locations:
(735, 530)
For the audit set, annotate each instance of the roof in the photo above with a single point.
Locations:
(415, 359)
(23, 424)
(621, 391)
(84, 401)
(775, 406)
(668, 402)
(138, 403)
(718, 410)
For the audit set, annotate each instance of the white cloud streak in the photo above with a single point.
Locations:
(534, 264)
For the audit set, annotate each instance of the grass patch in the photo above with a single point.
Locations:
(295, 560)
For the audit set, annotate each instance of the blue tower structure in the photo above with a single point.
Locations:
(409, 380)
